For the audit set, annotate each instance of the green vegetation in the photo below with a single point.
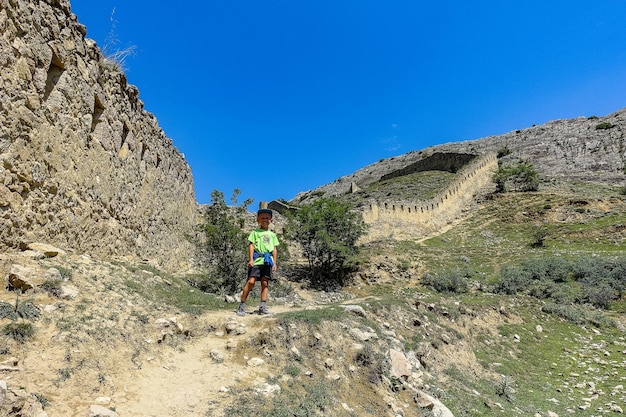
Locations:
(604, 126)
(224, 248)
(520, 177)
(582, 280)
(327, 231)
(416, 186)
(19, 331)
(301, 400)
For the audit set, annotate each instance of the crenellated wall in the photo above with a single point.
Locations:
(82, 165)
(387, 219)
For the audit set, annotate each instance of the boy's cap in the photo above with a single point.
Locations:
(263, 211)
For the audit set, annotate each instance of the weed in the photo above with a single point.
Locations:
(52, 286)
(7, 311)
(65, 374)
(505, 388)
(42, 399)
(66, 273)
(20, 332)
(316, 316)
(28, 310)
(292, 370)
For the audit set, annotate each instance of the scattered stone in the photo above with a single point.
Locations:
(267, 389)
(48, 250)
(216, 356)
(100, 411)
(254, 362)
(355, 309)
(400, 366)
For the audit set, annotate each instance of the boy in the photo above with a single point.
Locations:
(262, 260)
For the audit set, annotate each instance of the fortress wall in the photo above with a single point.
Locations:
(388, 219)
(82, 165)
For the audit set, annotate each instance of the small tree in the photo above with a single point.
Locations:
(520, 177)
(225, 244)
(327, 230)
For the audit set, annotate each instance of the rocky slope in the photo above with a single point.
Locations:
(581, 149)
(83, 165)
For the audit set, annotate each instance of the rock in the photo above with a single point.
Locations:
(361, 335)
(435, 406)
(255, 362)
(400, 367)
(354, 309)
(295, 352)
(100, 411)
(68, 291)
(267, 389)
(48, 250)
(216, 356)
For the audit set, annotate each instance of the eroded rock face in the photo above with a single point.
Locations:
(82, 165)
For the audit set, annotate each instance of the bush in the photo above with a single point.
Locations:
(225, 247)
(590, 280)
(327, 231)
(453, 281)
(604, 126)
(539, 234)
(512, 280)
(521, 177)
(19, 332)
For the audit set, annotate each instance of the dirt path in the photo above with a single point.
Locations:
(189, 382)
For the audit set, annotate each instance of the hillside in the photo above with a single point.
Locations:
(589, 149)
(464, 303)
(116, 338)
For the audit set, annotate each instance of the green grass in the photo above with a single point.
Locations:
(316, 316)
(172, 291)
(19, 331)
(417, 186)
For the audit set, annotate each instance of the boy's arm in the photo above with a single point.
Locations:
(275, 257)
(251, 254)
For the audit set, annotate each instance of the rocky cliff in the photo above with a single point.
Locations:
(588, 149)
(83, 165)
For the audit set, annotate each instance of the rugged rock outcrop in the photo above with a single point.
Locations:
(82, 165)
(584, 148)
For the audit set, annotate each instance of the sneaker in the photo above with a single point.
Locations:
(241, 311)
(263, 310)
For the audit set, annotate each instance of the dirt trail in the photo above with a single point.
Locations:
(190, 382)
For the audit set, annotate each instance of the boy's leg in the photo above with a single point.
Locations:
(264, 289)
(241, 311)
(264, 292)
(247, 288)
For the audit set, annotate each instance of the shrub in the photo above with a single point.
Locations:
(604, 126)
(512, 280)
(20, 332)
(453, 281)
(225, 247)
(521, 177)
(327, 231)
(539, 235)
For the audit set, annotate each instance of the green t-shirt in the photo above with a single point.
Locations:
(264, 242)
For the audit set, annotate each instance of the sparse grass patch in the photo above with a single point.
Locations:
(52, 286)
(317, 316)
(310, 399)
(20, 331)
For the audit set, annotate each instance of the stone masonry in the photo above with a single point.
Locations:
(82, 165)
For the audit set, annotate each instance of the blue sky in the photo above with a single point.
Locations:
(276, 97)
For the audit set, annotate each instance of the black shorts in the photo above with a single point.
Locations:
(260, 271)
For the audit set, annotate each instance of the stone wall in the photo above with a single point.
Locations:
(400, 220)
(449, 161)
(82, 165)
